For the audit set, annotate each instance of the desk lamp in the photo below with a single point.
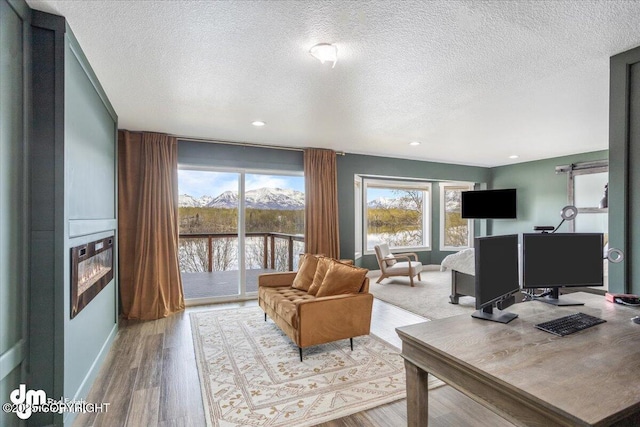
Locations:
(568, 213)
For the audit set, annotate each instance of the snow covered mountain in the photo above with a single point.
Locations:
(384, 203)
(390, 203)
(263, 198)
(187, 201)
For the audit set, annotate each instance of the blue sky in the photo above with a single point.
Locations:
(208, 183)
(375, 193)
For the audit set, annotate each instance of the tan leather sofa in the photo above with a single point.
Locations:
(310, 320)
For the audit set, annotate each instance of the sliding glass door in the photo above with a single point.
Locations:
(208, 241)
(274, 224)
(234, 226)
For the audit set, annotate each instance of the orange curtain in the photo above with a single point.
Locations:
(321, 211)
(150, 282)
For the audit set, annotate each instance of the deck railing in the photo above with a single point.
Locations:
(269, 245)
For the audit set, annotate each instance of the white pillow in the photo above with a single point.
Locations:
(390, 260)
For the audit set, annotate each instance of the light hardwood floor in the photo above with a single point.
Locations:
(150, 378)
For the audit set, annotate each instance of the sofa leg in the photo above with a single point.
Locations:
(265, 316)
(351, 341)
(300, 350)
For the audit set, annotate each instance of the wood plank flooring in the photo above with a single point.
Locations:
(150, 378)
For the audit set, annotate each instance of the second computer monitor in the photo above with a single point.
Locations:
(562, 260)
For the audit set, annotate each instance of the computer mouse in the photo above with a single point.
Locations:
(636, 319)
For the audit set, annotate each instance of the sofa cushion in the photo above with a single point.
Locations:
(321, 270)
(283, 301)
(307, 270)
(342, 279)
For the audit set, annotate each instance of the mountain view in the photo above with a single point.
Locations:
(388, 203)
(274, 198)
(263, 198)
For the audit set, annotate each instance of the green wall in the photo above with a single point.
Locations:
(219, 155)
(624, 176)
(90, 129)
(350, 165)
(541, 192)
(73, 199)
(14, 110)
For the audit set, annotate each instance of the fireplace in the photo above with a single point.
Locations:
(91, 271)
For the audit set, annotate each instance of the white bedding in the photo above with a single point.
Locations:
(463, 261)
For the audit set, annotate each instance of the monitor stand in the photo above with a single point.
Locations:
(555, 299)
(488, 314)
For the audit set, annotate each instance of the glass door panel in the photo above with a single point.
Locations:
(589, 189)
(208, 239)
(274, 225)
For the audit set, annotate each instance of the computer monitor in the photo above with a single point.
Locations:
(559, 260)
(496, 277)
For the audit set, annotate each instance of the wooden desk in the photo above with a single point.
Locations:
(528, 376)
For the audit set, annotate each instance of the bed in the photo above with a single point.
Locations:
(462, 266)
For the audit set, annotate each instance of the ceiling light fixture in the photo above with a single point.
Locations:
(513, 156)
(325, 52)
(258, 123)
(414, 143)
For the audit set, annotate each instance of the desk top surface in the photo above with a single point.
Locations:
(591, 374)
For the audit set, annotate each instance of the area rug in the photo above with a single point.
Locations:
(251, 374)
(428, 298)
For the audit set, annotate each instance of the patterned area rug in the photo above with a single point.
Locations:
(251, 374)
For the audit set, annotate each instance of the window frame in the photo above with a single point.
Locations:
(401, 184)
(586, 168)
(357, 189)
(465, 186)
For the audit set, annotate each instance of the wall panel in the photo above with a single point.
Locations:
(14, 115)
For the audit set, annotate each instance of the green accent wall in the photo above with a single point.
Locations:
(90, 129)
(350, 165)
(624, 182)
(219, 155)
(541, 192)
(14, 114)
(73, 199)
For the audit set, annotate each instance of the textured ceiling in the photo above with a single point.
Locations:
(474, 81)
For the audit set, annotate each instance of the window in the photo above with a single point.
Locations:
(455, 233)
(397, 213)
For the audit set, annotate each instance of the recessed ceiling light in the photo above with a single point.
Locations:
(258, 123)
(513, 156)
(325, 52)
(414, 143)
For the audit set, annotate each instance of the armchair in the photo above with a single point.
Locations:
(390, 266)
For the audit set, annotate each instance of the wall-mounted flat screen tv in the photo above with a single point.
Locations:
(489, 204)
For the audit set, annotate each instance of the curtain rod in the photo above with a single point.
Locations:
(245, 144)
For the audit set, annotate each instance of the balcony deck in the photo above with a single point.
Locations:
(219, 283)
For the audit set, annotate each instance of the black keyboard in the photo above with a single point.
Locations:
(569, 324)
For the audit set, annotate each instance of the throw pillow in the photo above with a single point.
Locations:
(390, 260)
(342, 279)
(321, 270)
(306, 271)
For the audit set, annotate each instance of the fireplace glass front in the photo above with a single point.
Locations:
(91, 271)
